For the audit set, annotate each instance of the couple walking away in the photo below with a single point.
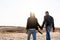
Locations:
(33, 25)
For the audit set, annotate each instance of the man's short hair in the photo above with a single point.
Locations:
(47, 12)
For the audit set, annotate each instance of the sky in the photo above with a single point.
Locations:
(16, 12)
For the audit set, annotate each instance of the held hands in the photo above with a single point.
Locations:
(54, 30)
(41, 28)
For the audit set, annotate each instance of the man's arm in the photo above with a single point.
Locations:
(43, 22)
(53, 24)
(53, 27)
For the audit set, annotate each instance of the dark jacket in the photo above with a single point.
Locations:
(32, 23)
(48, 20)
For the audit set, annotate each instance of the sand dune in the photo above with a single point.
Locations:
(23, 36)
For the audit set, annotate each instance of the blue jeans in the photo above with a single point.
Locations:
(48, 29)
(33, 32)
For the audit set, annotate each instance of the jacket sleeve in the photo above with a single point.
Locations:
(53, 23)
(43, 22)
(27, 24)
(38, 24)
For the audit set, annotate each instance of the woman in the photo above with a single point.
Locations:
(32, 26)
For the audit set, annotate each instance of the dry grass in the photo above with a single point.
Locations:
(23, 36)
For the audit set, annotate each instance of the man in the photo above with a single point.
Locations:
(49, 23)
(32, 26)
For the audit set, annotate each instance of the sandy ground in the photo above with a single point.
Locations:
(23, 36)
